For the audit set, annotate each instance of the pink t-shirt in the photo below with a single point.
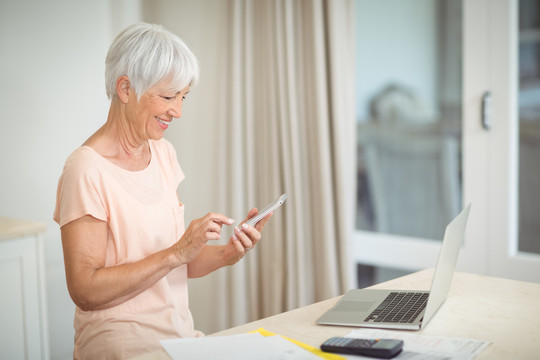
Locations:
(144, 216)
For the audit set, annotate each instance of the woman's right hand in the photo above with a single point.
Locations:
(197, 235)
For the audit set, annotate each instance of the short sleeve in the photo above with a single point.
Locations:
(79, 190)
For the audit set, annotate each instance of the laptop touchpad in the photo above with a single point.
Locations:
(354, 305)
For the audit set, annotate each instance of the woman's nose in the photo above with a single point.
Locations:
(176, 108)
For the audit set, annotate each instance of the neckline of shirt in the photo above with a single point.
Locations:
(119, 168)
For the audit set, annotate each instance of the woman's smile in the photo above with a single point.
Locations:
(163, 123)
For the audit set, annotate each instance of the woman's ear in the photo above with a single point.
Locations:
(123, 87)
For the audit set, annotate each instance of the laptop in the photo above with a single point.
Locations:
(402, 309)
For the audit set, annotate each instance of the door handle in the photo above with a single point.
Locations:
(486, 110)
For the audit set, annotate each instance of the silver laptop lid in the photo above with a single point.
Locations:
(446, 264)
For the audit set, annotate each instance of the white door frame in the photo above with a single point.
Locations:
(504, 258)
(476, 178)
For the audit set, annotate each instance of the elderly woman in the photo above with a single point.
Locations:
(127, 252)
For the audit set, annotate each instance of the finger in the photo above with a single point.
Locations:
(237, 244)
(251, 213)
(252, 232)
(243, 238)
(219, 218)
(214, 227)
(212, 235)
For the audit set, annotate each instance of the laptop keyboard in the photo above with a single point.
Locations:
(399, 307)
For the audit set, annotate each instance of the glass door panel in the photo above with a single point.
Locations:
(409, 111)
(529, 125)
(409, 62)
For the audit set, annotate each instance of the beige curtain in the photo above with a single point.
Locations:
(286, 105)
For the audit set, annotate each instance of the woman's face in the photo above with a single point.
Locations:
(152, 114)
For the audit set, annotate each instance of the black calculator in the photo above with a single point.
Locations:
(380, 348)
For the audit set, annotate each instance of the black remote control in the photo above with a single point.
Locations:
(380, 348)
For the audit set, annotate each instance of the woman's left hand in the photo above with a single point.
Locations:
(245, 237)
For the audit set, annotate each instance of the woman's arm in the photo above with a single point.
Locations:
(93, 286)
(214, 257)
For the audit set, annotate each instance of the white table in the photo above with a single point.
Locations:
(475, 308)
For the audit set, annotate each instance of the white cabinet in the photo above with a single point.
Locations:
(23, 323)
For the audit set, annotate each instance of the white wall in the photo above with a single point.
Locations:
(52, 97)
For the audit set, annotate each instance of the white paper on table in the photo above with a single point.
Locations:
(236, 347)
(424, 347)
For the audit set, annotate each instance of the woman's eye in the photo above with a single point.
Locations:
(171, 98)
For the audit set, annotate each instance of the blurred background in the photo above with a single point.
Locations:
(447, 112)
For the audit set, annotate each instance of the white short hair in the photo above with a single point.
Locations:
(148, 54)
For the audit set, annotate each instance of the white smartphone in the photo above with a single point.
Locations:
(267, 210)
